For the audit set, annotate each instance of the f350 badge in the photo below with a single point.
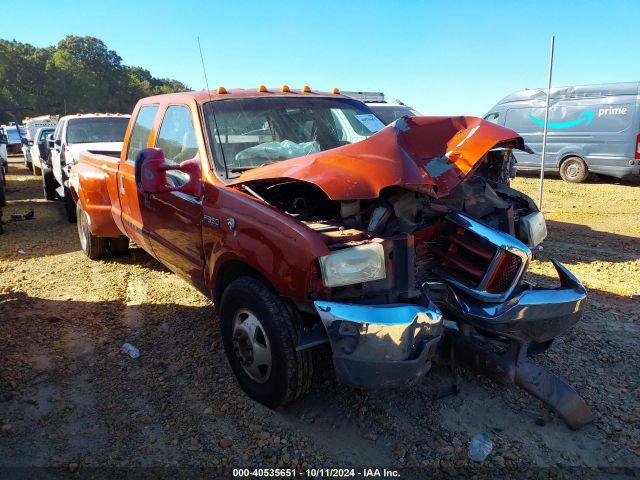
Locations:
(211, 221)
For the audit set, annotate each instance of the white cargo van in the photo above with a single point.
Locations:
(592, 128)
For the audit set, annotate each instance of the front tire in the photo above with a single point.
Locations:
(574, 170)
(92, 246)
(3, 197)
(119, 246)
(260, 334)
(69, 206)
(48, 183)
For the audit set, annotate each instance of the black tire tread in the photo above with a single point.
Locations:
(119, 246)
(300, 363)
(96, 246)
(48, 188)
(69, 207)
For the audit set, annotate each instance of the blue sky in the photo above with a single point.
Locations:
(443, 57)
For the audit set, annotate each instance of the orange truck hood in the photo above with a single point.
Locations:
(428, 154)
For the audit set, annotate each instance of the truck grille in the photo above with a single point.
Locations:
(481, 261)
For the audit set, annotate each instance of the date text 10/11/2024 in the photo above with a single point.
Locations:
(316, 473)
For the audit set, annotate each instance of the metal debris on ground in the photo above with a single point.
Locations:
(130, 350)
(480, 447)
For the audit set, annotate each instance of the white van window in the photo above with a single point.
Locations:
(492, 117)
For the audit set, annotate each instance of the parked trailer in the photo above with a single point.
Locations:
(592, 129)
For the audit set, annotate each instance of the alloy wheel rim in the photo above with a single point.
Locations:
(251, 345)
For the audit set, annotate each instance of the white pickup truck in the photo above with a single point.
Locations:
(31, 127)
(101, 133)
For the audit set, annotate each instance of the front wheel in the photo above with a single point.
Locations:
(92, 246)
(69, 206)
(3, 198)
(48, 183)
(260, 333)
(574, 170)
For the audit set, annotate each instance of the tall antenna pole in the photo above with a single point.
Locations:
(206, 80)
(546, 121)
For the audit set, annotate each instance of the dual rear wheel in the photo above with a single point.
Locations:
(93, 246)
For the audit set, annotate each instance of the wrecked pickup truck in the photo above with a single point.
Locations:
(310, 224)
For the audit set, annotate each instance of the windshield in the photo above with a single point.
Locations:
(390, 113)
(252, 132)
(97, 129)
(43, 134)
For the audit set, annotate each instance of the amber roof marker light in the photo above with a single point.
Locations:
(306, 89)
(262, 89)
(285, 88)
(221, 90)
(335, 91)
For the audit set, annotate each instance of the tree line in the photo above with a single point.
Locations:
(79, 74)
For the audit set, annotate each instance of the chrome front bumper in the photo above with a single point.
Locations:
(532, 314)
(377, 346)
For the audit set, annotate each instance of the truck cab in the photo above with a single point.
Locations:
(98, 132)
(393, 250)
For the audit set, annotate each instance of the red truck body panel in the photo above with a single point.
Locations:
(198, 237)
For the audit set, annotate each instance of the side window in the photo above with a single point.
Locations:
(492, 117)
(58, 131)
(141, 130)
(177, 137)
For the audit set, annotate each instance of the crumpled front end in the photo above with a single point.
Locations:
(428, 247)
(376, 346)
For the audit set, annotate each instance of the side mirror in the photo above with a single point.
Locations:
(58, 142)
(24, 141)
(3, 139)
(151, 173)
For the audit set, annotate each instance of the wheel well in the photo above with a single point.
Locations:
(231, 270)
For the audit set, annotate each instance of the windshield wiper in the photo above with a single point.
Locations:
(244, 169)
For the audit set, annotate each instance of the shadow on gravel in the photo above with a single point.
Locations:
(582, 244)
(136, 256)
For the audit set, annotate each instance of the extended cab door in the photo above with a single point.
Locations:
(174, 219)
(56, 150)
(131, 199)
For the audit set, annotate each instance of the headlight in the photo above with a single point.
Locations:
(363, 263)
(533, 229)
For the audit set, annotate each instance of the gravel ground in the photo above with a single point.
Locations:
(70, 401)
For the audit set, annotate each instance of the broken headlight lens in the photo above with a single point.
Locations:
(363, 263)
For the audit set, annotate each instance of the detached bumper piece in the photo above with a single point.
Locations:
(497, 344)
(380, 346)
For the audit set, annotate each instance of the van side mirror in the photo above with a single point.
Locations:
(151, 173)
(58, 142)
(3, 139)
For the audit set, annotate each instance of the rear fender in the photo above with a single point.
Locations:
(90, 187)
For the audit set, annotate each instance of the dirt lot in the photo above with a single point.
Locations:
(70, 400)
